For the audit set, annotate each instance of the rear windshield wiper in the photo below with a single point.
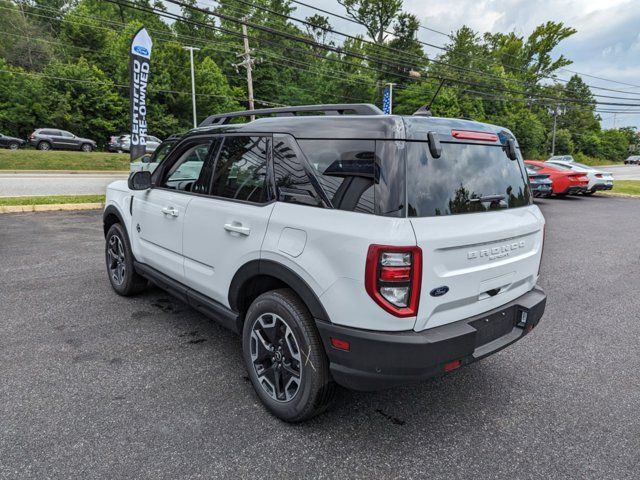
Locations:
(487, 198)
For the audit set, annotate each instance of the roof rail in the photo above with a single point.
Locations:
(329, 109)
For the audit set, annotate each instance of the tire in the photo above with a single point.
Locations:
(86, 147)
(119, 260)
(44, 146)
(14, 146)
(283, 322)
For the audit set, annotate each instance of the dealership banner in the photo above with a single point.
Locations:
(139, 66)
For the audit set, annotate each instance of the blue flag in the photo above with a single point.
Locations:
(386, 100)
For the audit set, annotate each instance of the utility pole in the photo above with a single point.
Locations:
(390, 85)
(558, 110)
(193, 84)
(247, 63)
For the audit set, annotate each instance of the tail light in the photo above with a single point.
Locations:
(598, 175)
(392, 278)
(32, 136)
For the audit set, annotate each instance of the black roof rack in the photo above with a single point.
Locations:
(329, 109)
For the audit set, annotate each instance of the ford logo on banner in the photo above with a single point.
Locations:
(141, 50)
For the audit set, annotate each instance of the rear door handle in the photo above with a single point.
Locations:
(237, 228)
(170, 211)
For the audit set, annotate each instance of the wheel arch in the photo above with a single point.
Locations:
(111, 216)
(259, 276)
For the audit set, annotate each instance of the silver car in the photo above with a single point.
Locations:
(124, 143)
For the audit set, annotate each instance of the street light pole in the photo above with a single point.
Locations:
(193, 84)
(553, 141)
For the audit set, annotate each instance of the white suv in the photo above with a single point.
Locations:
(349, 248)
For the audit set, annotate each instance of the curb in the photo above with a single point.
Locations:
(50, 208)
(69, 172)
(620, 195)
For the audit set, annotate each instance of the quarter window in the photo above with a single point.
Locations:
(241, 169)
(292, 181)
(346, 170)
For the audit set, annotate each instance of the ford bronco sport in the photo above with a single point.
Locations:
(346, 247)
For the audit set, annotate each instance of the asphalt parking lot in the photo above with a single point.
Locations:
(98, 386)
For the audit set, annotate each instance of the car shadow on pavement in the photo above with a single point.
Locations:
(401, 408)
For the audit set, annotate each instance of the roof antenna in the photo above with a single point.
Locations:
(426, 109)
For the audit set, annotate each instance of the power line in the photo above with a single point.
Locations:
(443, 48)
(363, 57)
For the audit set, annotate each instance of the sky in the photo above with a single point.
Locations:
(607, 43)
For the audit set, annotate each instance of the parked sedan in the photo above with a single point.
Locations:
(598, 180)
(541, 185)
(564, 181)
(11, 143)
(50, 138)
(632, 160)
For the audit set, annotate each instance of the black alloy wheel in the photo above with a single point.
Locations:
(275, 354)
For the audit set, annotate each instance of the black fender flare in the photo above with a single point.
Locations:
(112, 210)
(280, 272)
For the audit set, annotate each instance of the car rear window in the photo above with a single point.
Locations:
(466, 178)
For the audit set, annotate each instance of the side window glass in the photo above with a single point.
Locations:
(185, 173)
(292, 182)
(346, 170)
(241, 169)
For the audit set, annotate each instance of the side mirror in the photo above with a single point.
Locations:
(145, 159)
(140, 180)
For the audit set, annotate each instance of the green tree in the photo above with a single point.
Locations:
(376, 16)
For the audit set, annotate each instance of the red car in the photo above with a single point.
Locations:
(564, 181)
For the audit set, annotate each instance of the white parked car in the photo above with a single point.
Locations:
(358, 249)
(124, 143)
(632, 160)
(598, 179)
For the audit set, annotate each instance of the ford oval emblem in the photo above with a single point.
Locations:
(438, 292)
(140, 50)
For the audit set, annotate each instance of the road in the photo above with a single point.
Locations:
(99, 386)
(623, 172)
(23, 184)
(20, 184)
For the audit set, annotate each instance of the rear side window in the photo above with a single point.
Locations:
(241, 169)
(467, 178)
(293, 183)
(365, 176)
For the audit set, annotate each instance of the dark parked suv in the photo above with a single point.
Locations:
(12, 143)
(49, 138)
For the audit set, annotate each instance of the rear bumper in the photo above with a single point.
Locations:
(378, 360)
(575, 190)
